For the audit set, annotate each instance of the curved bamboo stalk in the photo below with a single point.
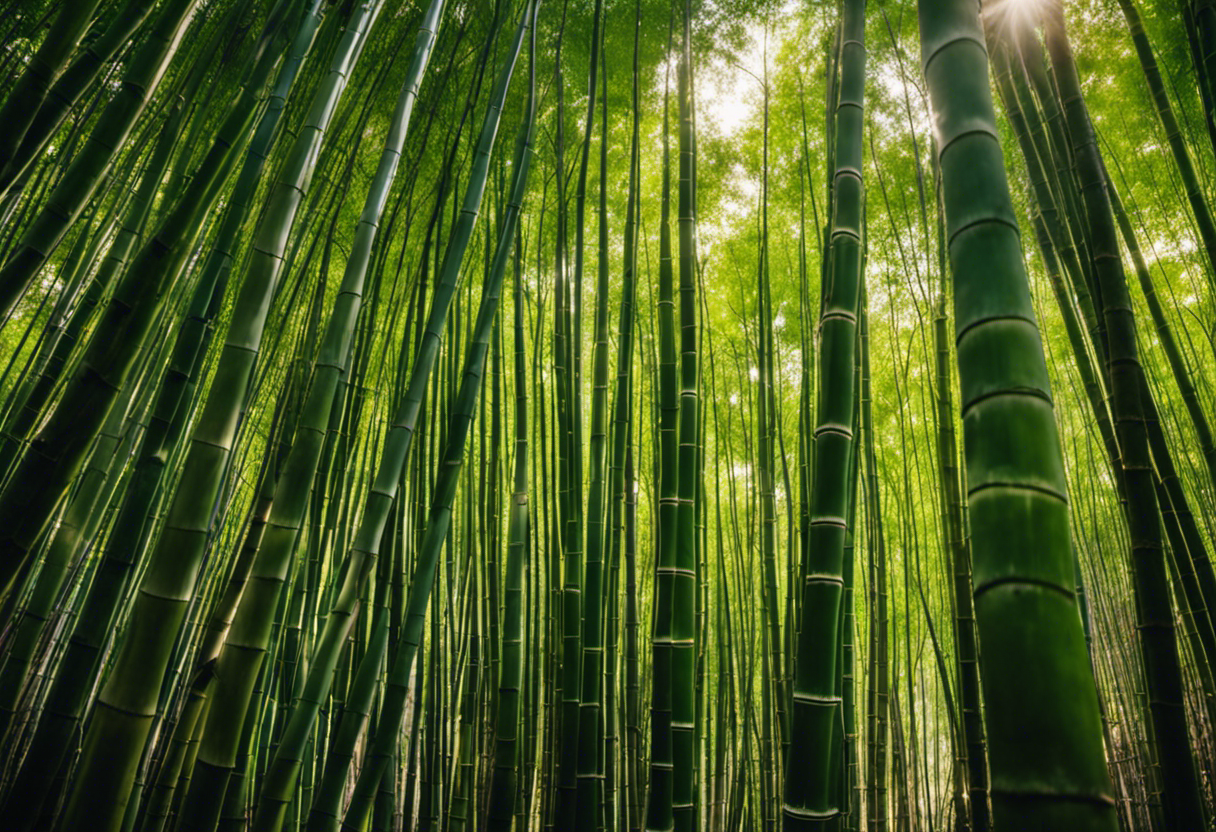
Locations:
(1173, 137)
(67, 90)
(55, 454)
(41, 72)
(132, 526)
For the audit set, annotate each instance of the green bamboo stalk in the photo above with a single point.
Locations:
(878, 693)
(1187, 544)
(30, 90)
(83, 512)
(56, 453)
(92, 163)
(1054, 237)
(1203, 15)
(775, 686)
(568, 359)
(1126, 383)
(620, 494)
(845, 731)
(502, 795)
(1045, 746)
(958, 550)
(1179, 370)
(684, 577)
(250, 633)
(1047, 128)
(74, 680)
(723, 627)
(68, 88)
(809, 801)
(590, 734)
(30, 405)
(1173, 136)
(560, 674)
(281, 775)
(660, 784)
(128, 699)
(462, 415)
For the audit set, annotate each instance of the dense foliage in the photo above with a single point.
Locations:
(594, 414)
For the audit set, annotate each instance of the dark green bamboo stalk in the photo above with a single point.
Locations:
(1047, 128)
(775, 686)
(1053, 235)
(878, 693)
(590, 733)
(127, 703)
(684, 578)
(809, 801)
(69, 87)
(659, 797)
(40, 73)
(84, 512)
(248, 638)
(959, 553)
(502, 788)
(30, 404)
(844, 738)
(74, 680)
(1173, 136)
(1044, 733)
(1126, 383)
(92, 163)
(462, 416)
(567, 357)
(1169, 344)
(56, 453)
(620, 494)
(1188, 548)
(281, 776)
(502, 793)
(1199, 17)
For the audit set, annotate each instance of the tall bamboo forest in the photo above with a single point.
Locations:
(607, 415)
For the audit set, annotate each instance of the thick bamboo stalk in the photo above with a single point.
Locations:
(1026, 614)
(92, 164)
(41, 72)
(248, 638)
(127, 703)
(809, 801)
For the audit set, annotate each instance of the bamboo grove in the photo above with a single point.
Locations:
(607, 415)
